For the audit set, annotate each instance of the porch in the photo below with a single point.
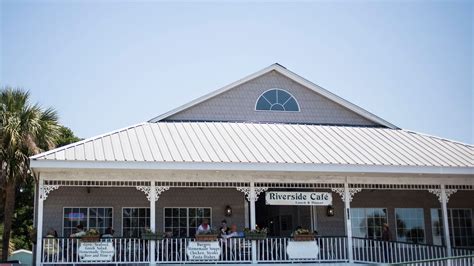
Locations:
(343, 248)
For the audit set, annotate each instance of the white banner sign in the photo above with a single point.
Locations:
(298, 198)
(203, 250)
(302, 250)
(96, 251)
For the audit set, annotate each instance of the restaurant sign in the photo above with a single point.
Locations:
(96, 251)
(298, 198)
(200, 250)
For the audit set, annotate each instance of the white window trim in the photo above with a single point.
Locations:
(451, 232)
(258, 98)
(187, 218)
(121, 215)
(386, 213)
(83, 207)
(424, 223)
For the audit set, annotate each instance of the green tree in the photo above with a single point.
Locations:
(25, 129)
(66, 136)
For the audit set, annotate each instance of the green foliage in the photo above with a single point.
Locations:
(66, 136)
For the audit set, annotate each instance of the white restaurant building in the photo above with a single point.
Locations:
(270, 131)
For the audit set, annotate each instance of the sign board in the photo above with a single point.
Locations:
(96, 251)
(302, 250)
(203, 250)
(298, 198)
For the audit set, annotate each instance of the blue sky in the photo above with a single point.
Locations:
(105, 65)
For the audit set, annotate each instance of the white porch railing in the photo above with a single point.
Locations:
(239, 250)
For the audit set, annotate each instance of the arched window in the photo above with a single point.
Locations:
(277, 100)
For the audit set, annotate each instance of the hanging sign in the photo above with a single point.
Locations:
(298, 198)
(96, 251)
(302, 250)
(201, 250)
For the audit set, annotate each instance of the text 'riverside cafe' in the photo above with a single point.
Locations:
(274, 153)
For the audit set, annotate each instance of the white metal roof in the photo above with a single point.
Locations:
(291, 75)
(271, 144)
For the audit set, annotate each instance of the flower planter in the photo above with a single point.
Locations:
(90, 238)
(151, 236)
(255, 236)
(309, 237)
(206, 237)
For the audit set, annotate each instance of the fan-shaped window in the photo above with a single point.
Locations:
(277, 100)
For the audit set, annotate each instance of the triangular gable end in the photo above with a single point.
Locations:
(236, 102)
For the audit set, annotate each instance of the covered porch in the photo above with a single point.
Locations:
(339, 238)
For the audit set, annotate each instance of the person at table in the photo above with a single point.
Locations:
(224, 230)
(79, 231)
(204, 227)
(109, 233)
(233, 232)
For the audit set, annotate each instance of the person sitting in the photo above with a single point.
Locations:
(79, 231)
(109, 232)
(224, 230)
(204, 227)
(233, 232)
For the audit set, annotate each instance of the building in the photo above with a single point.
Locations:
(272, 131)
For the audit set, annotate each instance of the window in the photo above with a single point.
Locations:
(96, 218)
(410, 225)
(460, 227)
(183, 222)
(367, 222)
(277, 100)
(134, 221)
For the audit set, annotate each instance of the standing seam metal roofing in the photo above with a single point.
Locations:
(266, 143)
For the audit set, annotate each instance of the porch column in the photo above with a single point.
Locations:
(43, 191)
(347, 194)
(252, 196)
(152, 194)
(443, 197)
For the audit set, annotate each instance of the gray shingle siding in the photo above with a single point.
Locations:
(238, 104)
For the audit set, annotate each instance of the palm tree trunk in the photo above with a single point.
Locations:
(10, 190)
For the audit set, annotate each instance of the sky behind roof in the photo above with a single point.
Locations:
(106, 65)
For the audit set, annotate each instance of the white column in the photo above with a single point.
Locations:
(39, 224)
(152, 222)
(253, 220)
(347, 215)
(444, 208)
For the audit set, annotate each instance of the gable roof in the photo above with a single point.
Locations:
(287, 73)
(253, 146)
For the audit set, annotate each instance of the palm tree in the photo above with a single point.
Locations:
(25, 129)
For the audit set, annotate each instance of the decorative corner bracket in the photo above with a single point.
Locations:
(246, 191)
(341, 192)
(44, 190)
(438, 193)
(152, 194)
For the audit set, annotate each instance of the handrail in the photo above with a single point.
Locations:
(436, 260)
(398, 242)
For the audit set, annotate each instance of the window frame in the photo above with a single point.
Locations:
(134, 208)
(423, 223)
(86, 227)
(187, 216)
(366, 223)
(284, 111)
(451, 229)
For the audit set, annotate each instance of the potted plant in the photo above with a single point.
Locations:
(302, 234)
(255, 234)
(210, 235)
(92, 235)
(148, 234)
